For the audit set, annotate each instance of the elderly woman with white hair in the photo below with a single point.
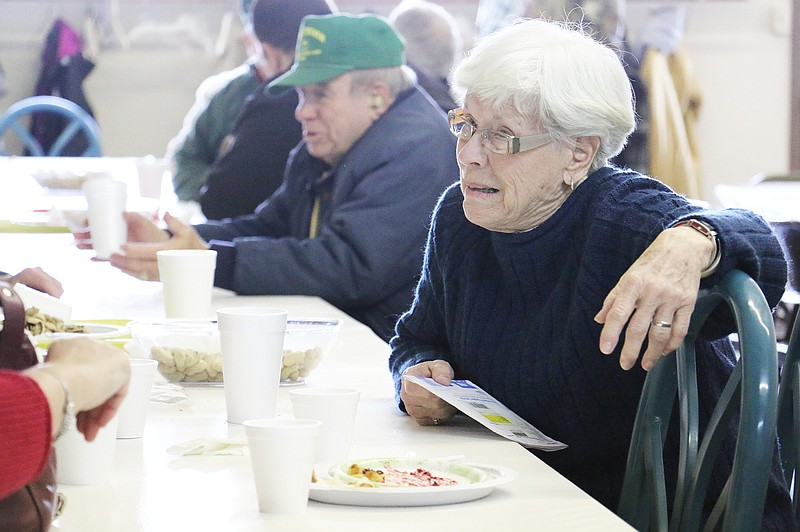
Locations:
(549, 273)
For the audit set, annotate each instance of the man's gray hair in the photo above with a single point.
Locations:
(397, 78)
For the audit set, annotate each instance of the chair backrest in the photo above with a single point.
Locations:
(77, 120)
(751, 391)
(789, 414)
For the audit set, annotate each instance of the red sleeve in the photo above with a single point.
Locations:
(25, 431)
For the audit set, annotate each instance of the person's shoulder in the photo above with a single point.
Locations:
(216, 82)
(624, 184)
(416, 126)
(239, 88)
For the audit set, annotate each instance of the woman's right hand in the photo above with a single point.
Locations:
(97, 375)
(425, 407)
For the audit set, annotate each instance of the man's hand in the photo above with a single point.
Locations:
(145, 239)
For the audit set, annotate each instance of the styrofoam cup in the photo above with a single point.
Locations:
(336, 409)
(188, 279)
(106, 199)
(282, 457)
(82, 463)
(133, 410)
(251, 339)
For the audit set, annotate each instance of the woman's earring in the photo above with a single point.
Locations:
(572, 183)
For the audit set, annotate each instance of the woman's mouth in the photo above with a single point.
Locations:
(482, 190)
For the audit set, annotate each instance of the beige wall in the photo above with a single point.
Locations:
(740, 50)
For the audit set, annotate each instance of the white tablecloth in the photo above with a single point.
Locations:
(154, 491)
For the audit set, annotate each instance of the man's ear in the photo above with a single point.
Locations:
(381, 96)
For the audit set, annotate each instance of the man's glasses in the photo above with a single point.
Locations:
(495, 141)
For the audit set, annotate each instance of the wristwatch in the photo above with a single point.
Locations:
(708, 232)
(68, 417)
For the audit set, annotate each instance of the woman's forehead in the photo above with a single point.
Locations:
(490, 113)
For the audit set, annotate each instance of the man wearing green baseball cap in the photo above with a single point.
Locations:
(350, 220)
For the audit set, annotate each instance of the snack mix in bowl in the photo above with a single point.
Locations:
(189, 351)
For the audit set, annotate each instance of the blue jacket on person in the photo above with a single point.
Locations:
(375, 208)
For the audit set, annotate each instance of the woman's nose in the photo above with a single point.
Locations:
(470, 151)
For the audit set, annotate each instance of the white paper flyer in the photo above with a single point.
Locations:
(489, 412)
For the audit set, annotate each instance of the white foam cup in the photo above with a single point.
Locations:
(133, 410)
(282, 458)
(336, 409)
(187, 276)
(251, 340)
(82, 463)
(106, 199)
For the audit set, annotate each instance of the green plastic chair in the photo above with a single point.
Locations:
(78, 121)
(752, 391)
(789, 414)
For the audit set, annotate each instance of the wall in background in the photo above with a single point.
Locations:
(740, 50)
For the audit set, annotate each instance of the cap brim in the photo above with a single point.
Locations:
(307, 75)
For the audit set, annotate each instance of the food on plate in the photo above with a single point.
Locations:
(37, 322)
(398, 477)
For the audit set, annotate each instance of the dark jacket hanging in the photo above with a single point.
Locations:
(63, 70)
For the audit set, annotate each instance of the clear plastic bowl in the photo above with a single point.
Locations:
(188, 351)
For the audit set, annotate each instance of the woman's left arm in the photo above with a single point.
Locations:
(656, 296)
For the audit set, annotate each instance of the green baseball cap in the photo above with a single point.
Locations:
(330, 45)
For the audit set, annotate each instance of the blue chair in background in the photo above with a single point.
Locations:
(751, 392)
(16, 119)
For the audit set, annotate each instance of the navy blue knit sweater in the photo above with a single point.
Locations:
(515, 313)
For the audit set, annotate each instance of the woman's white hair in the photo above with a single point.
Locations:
(555, 76)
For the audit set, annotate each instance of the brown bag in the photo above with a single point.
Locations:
(33, 507)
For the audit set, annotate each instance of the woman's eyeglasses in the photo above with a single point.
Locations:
(495, 141)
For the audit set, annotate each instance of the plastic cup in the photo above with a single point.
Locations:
(106, 199)
(336, 409)
(133, 410)
(282, 456)
(150, 171)
(188, 279)
(82, 463)
(251, 340)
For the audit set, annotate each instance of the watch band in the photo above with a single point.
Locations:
(708, 232)
(68, 418)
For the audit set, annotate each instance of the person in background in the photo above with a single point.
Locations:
(549, 273)
(246, 73)
(246, 164)
(433, 44)
(348, 224)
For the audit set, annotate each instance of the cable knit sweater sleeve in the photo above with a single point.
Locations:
(24, 431)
